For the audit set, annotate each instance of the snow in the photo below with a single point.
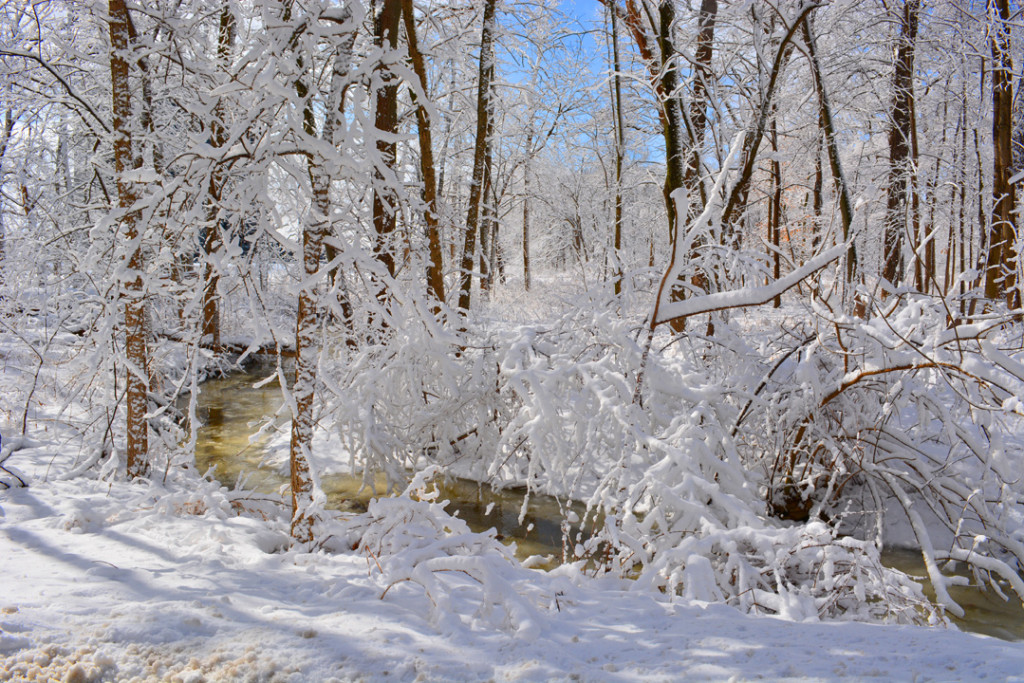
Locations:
(150, 581)
(749, 296)
(180, 579)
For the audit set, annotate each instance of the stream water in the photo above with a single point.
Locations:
(231, 409)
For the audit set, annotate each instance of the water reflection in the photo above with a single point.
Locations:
(984, 611)
(233, 409)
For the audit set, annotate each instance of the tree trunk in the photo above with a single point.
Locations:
(5, 139)
(702, 76)
(620, 150)
(333, 121)
(497, 273)
(672, 121)
(386, 121)
(487, 208)
(316, 229)
(919, 237)
(775, 211)
(896, 226)
(435, 268)
(817, 191)
(131, 290)
(828, 130)
(526, 215)
(1000, 267)
(476, 187)
(214, 220)
(755, 133)
(307, 351)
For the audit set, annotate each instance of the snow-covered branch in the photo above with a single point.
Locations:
(748, 296)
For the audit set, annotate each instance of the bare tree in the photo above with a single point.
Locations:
(315, 231)
(828, 132)
(130, 292)
(620, 148)
(900, 144)
(386, 25)
(435, 267)
(1000, 265)
(702, 80)
(213, 241)
(476, 187)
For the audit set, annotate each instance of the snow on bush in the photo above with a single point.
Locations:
(909, 411)
(750, 459)
(416, 541)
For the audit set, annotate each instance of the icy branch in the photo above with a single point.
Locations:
(748, 296)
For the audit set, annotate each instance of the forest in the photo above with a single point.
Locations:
(733, 282)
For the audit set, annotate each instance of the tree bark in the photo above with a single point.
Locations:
(1000, 266)
(672, 121)
(213, 242)
(333, 122)
(5, 139)
(131, 289)
(755, 134)
(664, 77)
(828, 130)
(487, 207)
(386, 120)
(476, 187)
(900, 124)
(307, 351)
(526, 214)
(702, 76)
(435, 268)
(316, 229)
(775, 211)
(817, 191)
(620, 149)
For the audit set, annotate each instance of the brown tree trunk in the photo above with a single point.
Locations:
(702, 76)
(307, 342)
(218, 137)
(755, 134)
(900, 171)
(957, 192)
(664, 76)
(1000, 266)
(817, 191)
(131, 291)
(672, 121)
(476, 187)
(435, 268)
(386, 121)
(929, 265)
(307, 351)
(334, 107)
(315, 231)
(497, 273)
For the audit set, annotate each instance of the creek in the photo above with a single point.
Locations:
(231, 408)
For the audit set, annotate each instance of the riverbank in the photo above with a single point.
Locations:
(186, 581)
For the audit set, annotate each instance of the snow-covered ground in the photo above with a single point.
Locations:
(179, 579)
(151, 581)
